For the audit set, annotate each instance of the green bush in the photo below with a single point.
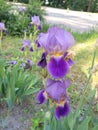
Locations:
(4, 11)
(16, 21)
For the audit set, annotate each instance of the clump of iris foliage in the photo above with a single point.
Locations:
(41, 62)
(15, 79)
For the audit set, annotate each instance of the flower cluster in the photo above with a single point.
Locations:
(36, 22)
(25, 65)
(26, 44)
(56, 43)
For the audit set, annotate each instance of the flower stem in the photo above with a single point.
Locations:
(0, 39)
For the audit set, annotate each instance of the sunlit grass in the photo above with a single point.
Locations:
(84, 49)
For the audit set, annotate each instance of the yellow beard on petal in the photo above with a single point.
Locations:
(61, 103)
(57, 54)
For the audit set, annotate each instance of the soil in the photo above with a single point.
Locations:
(19, 118)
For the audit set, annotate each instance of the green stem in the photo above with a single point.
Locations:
(1, 40)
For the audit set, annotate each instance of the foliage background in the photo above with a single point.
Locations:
(75, 4)
(16, 22)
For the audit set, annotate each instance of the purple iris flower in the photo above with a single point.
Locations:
(56, 42)
(23, 65)
(56, 91)
(36, 21)
(13, 62)
(26, 43)
(2, 26)
(22, 9)
(27, 64)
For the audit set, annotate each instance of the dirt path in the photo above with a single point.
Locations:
(74, 20)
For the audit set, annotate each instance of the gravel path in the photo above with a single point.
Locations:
(74, 20)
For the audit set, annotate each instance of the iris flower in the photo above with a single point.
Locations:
(2, 26)
(22, 9)
(13, 62)
(56, 43)
(27, 64)
(56, 91)
(36, 21)
(26, 43)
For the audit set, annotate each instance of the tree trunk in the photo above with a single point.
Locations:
(89, 5)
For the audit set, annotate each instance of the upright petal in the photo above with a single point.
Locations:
(2, 26)
(36, 20)
(61, 111)
(57, 67)
(26, 42)
(56, 40)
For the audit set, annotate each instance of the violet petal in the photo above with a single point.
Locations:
(57, 67)
(40, 97)
(62, 111)
(43, 63)
(31, 49)
(39, 27)
(70, 62)
(22, 49)
(56, 89)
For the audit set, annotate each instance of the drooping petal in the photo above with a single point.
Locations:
(30, 25)
(40, 97)
(43, 63)
(37, 42)
(39, 27)
(70, 62)
(56, 89)
(57, 67)
(61, 111)
(23, 48)
(31, 49)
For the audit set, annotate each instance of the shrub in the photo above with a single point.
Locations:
(4, 11)
(16, 21)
